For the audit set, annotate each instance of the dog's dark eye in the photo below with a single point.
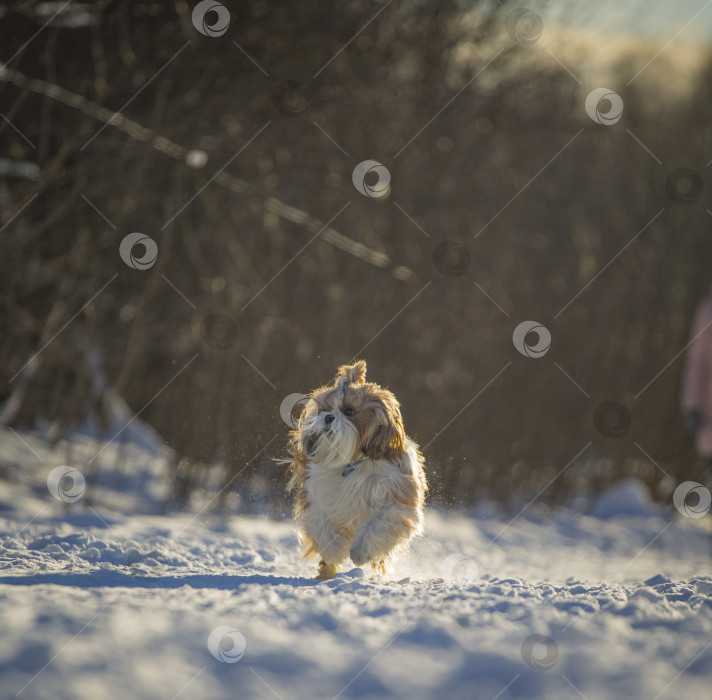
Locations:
(348, 411)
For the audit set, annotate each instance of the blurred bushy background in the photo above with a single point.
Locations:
(233, 152)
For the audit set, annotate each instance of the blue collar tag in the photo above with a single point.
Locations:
(350, 468)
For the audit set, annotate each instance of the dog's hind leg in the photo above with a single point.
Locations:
(331, 543)
(326, 571)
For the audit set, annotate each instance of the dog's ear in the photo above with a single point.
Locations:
(388, 439)
(354, 374)
(387, 442)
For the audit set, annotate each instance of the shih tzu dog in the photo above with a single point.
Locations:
(359, 480)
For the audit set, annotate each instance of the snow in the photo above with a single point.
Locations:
(100, 598)
(627, 497)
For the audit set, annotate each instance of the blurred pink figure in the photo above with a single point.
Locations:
(697, 379)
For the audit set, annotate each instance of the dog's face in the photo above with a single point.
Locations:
(350, 418)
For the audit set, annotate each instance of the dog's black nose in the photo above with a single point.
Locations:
(329, 418)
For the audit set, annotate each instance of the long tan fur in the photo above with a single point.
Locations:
(359, 481)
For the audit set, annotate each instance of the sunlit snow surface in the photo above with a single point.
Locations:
(98, 600)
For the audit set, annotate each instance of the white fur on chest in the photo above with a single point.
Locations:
(349, 500)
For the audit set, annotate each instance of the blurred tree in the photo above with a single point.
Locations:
(235, 154)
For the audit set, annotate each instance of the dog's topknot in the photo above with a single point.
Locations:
(354, 374)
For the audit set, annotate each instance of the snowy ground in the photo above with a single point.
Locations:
(98, 602)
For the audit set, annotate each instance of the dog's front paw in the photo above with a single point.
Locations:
(359, 555)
